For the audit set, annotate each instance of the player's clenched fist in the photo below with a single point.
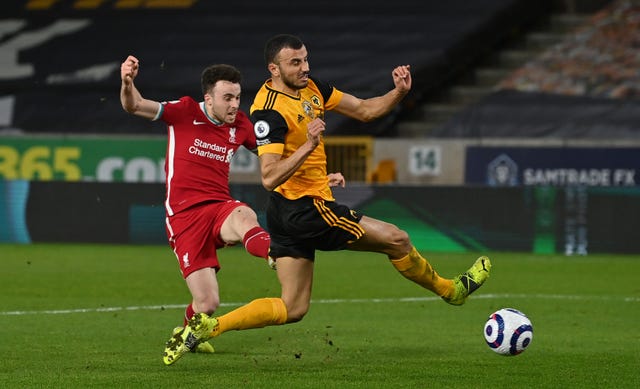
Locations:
(402, 78)
(314, 130)
(129, 69)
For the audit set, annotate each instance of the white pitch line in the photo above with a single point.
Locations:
(330, 301)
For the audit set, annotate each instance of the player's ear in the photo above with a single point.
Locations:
(274, 70)
(208, 99)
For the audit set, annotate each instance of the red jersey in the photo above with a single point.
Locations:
(199, 153)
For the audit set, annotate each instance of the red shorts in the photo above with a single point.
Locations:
(194, 234)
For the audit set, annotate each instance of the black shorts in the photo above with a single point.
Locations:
(299, 227)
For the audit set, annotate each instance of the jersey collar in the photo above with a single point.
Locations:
(212, 120)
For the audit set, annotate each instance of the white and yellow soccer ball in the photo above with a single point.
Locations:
(508, 331)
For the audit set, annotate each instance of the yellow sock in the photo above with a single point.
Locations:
(417, 269)
(257, 314)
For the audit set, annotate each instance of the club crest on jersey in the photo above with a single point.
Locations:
(232, 135)
(308, 109)
(315, 100)
(261, 128)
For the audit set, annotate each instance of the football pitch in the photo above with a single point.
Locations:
(98, 316)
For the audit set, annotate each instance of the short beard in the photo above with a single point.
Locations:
(293, 86)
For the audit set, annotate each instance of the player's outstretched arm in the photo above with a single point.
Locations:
(373, 108)
(130, 98)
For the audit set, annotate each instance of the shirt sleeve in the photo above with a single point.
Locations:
(159, 113)
(270, 129)
(171, 111)
(330, 94)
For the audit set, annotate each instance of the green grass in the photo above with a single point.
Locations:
(98, 316)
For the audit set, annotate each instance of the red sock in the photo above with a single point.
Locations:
(256, 241)
(188, 314)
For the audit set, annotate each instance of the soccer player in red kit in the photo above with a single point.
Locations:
(201, 215)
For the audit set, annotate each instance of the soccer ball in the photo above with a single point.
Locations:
(508, 331)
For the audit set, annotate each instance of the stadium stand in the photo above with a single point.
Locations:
(585, 87)
(60, 59)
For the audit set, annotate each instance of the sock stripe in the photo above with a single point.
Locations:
(248, 239)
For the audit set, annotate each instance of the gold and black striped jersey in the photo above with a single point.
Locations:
(280, 123)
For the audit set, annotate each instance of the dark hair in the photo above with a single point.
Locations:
(279, 42)
(215, 73)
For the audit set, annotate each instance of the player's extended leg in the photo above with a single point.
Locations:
(388, 239)
(296, 278)
(414, 267)
(203, 285)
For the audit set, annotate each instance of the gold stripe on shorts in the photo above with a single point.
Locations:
(334, 221)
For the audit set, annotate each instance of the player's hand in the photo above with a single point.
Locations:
(129, 69)
(402, 78)
(336, 179)
(315, 128)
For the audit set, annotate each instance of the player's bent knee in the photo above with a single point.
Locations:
(398, 237)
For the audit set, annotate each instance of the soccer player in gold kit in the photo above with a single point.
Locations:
(302, 214)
